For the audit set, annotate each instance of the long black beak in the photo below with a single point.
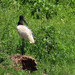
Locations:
(25, 22)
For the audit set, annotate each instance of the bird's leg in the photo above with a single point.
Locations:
(22, 46)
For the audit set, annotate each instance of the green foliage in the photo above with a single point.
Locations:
(43, 9)
(2, 57)
(52, 23)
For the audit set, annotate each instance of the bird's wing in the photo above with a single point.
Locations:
(25, 33)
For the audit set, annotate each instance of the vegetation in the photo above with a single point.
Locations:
(53, 26)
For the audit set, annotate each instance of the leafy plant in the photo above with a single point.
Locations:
(2, 57)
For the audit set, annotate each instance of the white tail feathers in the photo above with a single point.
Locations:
(25, 33)
(31, 39)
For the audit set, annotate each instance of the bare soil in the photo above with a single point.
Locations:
(22, 62)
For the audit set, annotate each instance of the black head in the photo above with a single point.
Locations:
(21, 19)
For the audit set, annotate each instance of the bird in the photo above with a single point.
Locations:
(24, 32)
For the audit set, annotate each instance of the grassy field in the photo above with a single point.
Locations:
(53, 30)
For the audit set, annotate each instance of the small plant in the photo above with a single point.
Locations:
(2, 57)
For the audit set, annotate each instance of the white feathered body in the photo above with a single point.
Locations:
(25, 33)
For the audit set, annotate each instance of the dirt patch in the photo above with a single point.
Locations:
(22, 62)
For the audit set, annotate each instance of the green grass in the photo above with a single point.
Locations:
(54, 47)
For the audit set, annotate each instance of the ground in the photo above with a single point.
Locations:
(22, 62)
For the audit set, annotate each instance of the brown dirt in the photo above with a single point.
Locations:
(22, 62)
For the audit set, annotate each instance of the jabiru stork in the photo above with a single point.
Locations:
(24, 32)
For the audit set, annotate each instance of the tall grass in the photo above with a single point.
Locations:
(54, 47)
